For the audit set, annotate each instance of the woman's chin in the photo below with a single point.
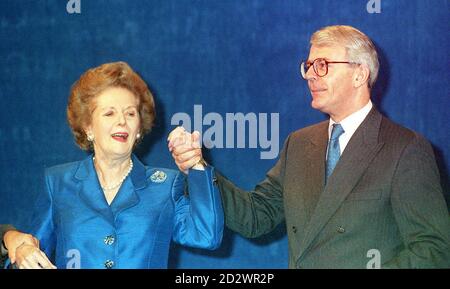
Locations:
(118, 153)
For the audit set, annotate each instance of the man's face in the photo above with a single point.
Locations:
(330, 93)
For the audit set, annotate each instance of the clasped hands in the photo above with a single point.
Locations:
(186, 149)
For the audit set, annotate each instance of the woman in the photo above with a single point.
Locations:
(109, 210)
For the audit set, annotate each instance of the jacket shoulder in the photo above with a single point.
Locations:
(62, 169)
(395, 134)
(309, 131)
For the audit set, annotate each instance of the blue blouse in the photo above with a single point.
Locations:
(77, 227)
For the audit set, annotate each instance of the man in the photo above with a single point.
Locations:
(352, 187)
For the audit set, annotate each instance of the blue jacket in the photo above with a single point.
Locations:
(78, 229)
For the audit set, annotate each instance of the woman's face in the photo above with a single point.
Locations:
(115, 123)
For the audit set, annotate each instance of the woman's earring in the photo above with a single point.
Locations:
(138, 136)
(90, 137)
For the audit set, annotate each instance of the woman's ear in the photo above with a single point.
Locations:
(89, 134)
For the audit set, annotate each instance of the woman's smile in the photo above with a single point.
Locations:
(120, 136)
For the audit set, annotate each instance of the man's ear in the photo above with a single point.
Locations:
(361, 75)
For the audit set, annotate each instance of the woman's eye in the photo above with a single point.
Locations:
(132, 113)
(109, 113)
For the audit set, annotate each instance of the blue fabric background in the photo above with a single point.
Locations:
(227, 55)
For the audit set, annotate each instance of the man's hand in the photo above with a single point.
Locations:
(30, 257)
(14, 239)
(186, 149)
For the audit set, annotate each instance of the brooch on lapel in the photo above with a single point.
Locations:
(158, 177)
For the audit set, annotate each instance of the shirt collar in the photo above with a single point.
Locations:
(352, 122)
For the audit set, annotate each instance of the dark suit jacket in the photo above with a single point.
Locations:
(384, 194)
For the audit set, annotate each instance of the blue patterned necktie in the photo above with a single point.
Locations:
(334, 151)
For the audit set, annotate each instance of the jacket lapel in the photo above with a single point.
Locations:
(90, 191)
(315, 170)
(361, 149)
(127, 196)
(92, 194)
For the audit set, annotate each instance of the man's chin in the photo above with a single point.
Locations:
(316, 104)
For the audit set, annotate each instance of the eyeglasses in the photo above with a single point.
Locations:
(320, 66)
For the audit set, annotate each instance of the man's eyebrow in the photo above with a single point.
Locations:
(311, 61)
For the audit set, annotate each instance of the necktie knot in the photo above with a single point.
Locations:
(336, 131)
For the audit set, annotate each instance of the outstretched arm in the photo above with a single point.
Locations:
(199, 217)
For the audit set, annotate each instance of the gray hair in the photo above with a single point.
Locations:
(360, 48)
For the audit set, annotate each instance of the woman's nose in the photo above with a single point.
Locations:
(122, 119)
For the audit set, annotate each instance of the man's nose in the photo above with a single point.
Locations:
(311, 74)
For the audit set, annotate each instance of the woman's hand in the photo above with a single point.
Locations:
(30, 257)
(186, 149)
(23, 250)
(14, 239)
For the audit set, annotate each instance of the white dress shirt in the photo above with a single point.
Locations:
(350, 124)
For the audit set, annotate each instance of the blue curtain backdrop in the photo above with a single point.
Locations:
(228, 56)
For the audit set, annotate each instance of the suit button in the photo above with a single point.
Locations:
(341, 229)
(214, 181)
(109, 264)
(294, 229)
(109, 240)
